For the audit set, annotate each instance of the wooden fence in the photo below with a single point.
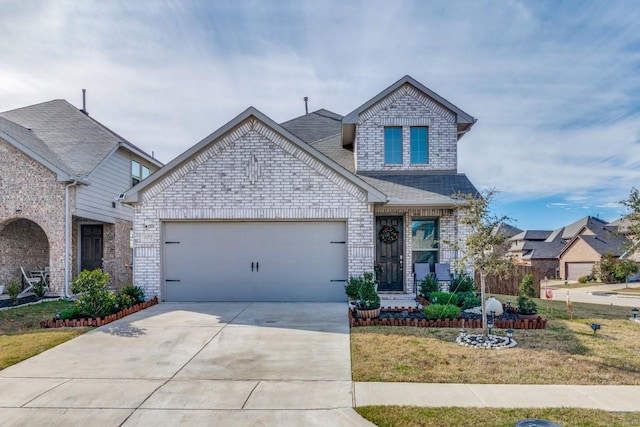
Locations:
(510, 284)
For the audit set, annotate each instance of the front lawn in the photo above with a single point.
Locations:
(567, 352)
(22, 337)
(384, 416)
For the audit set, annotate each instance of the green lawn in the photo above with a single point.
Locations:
(22, 337)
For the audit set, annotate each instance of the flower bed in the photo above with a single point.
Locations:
(57, 323)
(410, 316)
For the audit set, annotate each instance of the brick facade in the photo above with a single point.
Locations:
(250, 174)
(32, 224)
(407, 107)
(580, 252)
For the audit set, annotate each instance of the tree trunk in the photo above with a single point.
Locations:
(485, 327)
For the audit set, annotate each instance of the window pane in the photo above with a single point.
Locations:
(424, 234)
(393, 145)
(419, 145)
(135, 169)
(145, 172)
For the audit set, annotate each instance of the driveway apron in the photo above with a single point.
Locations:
(193, 364)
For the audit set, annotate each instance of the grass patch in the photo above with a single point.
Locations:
(384, 416)
(567, 352)
(571, 286)
(22, 337)
(628, 290)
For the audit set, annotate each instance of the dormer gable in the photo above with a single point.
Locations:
(406, 127)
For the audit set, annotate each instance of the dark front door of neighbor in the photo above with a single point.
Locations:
(389, 249)
(91, 247)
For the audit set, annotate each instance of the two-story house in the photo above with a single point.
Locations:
(61, 173)
(260, 211)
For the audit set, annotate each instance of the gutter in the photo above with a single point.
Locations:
(67, 236)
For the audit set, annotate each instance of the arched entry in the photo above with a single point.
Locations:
(23, 243)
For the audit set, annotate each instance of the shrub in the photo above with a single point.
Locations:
(72, 312)
(95, 299)
(135, 292)
(367, 296)
(124, 301)
(605, 269)
(443, 298)
(429, 284)
(13, 289)
(583, 279)
(462, 282)
(468, 300)
(40, 289)
(441, 311)
(527, 291)
(352, 289)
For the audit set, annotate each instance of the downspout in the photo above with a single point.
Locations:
(67, 237)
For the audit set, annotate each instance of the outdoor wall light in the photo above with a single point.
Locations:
(509, 334)
(18, 211)
(634, 312)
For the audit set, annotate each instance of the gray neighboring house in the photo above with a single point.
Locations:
(261, 211)
(61, 173)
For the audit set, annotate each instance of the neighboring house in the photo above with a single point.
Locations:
(60, 176)
(507, 232)
(259, 211)
(568, 252)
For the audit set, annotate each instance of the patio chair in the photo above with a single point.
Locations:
(420, 271)
(443, 274)
(30, 281)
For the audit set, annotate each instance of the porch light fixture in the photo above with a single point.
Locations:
(634, 312)
(509, 334)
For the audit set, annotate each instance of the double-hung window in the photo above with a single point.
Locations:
(393, 145)
(419, 145)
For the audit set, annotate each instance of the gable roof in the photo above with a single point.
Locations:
(315, 126)
(464, 120)
(539, 235)
(373, 194)
(593, 224)
(66, 137)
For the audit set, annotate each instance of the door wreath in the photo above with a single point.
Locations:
(388, 234)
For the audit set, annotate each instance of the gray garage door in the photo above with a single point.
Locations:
(254, 261)
(575, 270)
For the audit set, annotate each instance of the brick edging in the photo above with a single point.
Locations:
(70, 323)
(538, 323)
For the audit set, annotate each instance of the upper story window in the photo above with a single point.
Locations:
(138, 172)
(419, 145)
(393, 145)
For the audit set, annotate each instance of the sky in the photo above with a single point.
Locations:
(555, 85)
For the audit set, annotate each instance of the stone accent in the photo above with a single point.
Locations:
(407, 107)
(252, 173)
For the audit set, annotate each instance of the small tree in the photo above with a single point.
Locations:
(604, 270)
(480, 248)
(625, 268)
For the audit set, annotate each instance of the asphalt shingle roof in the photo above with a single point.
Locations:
(315, 126)
(420, 187)
(78, 142)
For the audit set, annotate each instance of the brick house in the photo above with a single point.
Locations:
(260, 211)
(60, 176)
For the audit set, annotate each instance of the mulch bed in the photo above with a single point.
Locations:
(27, 299)
(57, 323)
(410, 316)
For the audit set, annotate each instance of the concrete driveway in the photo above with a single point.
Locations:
(193, 364)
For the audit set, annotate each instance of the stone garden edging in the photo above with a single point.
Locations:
(70, 323)
(354, 321)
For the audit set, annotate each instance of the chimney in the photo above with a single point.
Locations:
(84, 102)
(306, 105)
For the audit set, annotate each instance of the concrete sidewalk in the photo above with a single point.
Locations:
(608, 398)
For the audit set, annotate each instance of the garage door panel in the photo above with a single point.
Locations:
(292, 261)
(575, 270)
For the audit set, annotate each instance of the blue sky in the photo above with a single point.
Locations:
(555, 85)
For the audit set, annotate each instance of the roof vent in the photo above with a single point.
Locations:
(306, 105)
(84, 102)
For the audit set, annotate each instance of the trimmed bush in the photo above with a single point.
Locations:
(443, 298)
(135, 292)
(462, 282)
(429, 284)
(72, 312)
(583, 279)
(441, 311)
(468, 300)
